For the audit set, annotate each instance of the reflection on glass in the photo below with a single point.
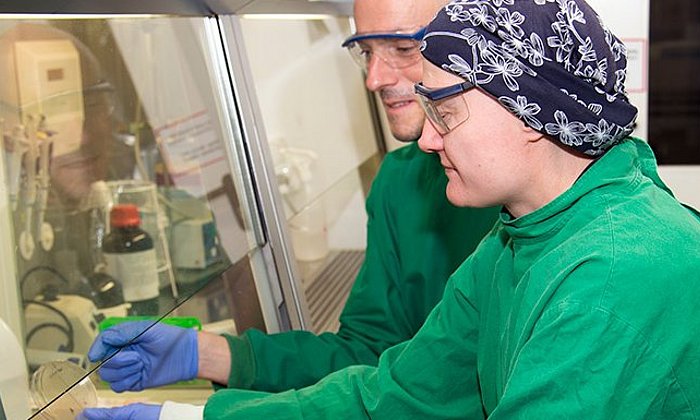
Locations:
(99, 116)
(321, 158)
(299, 77)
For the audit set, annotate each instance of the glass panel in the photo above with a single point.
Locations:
(319, 127)
(124, 182)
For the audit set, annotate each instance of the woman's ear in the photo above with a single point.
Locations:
(531, 135)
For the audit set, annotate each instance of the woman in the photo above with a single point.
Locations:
(582, 302)
(582, 296)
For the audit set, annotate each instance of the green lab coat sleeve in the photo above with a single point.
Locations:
(415, 240)
(372, 321)
(408, 382)
(398, 285)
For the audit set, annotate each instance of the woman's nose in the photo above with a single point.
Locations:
(430, 140)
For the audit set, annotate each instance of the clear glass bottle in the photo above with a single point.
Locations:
(131, 259)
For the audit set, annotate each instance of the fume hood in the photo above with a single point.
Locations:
(245, 142)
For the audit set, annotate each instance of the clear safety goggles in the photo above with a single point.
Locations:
(397, 49)
(445, 107)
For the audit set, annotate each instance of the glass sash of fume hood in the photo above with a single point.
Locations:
(98, 113)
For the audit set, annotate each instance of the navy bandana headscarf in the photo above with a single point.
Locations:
(552, 63)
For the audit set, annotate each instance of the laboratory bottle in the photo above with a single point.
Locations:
(131, 259)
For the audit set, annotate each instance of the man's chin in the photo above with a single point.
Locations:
(406, 136)
(407, 127)
(405, 140)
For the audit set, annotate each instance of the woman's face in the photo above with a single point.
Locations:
(485, 157)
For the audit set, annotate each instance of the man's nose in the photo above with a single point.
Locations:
(379, 74)
(430, 140)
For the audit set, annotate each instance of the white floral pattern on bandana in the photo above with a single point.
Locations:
(552, 63)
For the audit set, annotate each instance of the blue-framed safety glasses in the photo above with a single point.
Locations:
(445, 107)
(397, 49)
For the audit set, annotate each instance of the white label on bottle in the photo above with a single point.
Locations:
(136, 271)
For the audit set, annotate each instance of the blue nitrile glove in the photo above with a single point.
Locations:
(162, 355)
(136, 411)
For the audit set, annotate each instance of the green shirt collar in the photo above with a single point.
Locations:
(624, 163)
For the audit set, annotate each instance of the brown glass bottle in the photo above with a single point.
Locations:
(131, 259)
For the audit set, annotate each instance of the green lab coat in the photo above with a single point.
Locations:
(588, 308)
(415, 240)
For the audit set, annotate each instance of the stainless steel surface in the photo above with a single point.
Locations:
(328, 289)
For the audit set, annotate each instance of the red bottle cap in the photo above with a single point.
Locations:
(123, 215)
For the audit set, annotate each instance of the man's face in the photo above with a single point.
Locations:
(395, 85)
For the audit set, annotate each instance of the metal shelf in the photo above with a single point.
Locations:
(328, 290)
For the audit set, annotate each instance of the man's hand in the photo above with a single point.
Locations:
(136, 411)
(162, 355)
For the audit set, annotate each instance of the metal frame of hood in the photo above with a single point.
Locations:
(262, 167)
(176, 7)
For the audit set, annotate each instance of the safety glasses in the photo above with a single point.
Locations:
(445, 107)
(397, 49)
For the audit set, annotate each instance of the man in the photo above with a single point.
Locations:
(415, 240)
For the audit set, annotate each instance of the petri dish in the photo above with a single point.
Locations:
(53, 379)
